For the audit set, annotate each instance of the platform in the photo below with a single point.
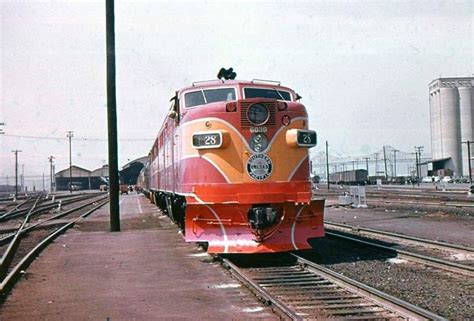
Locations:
(144, 272)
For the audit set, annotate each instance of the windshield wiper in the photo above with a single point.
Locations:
(279, 94)
(204, 96)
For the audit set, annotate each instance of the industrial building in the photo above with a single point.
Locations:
(83, 179)
(130, 171)
(452, 123)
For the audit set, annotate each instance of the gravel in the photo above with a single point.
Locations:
(446, 294)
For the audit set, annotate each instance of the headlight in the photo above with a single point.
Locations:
(258, 142)
(258, 114)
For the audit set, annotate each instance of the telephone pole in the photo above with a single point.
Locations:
(385, 162)
(327, 164)
(114, 206)
(367, 164)
(16, 151)
(376, 164)
(468, 143)
(51, 173)
(417, 160)
(70, 134)
(395, 162)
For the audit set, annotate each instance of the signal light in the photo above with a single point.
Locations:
(285, 120)
(282, 105)
(231, 107)
(471, 189)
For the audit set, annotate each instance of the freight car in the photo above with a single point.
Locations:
(230, 166)
(353, 177)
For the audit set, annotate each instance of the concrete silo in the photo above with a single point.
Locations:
(466, 110)
(452, 121)
(450, 126)
(435, 125)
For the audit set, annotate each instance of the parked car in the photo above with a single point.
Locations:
(427, 179)
(447, 179)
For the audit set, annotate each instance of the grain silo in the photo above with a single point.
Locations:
(452, 121)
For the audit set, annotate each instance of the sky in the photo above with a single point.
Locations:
(362, 68)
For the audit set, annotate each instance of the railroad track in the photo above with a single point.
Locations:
(460, 195)
(363, 231)
(10, 272)
(43, 203)
(418, 202)
(446, 265)
(304, 290)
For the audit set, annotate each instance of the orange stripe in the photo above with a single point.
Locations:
(232, 159)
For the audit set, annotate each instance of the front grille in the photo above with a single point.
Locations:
(244, 122)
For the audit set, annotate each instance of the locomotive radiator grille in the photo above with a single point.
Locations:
(244, 122)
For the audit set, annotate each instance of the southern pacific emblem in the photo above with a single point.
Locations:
(259, 167)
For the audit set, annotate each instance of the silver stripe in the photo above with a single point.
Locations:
(293, 227)
(226, 240)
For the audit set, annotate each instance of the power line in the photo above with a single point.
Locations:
(83, 138)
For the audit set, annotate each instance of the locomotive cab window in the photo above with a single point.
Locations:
(202, 97)
(271, 93)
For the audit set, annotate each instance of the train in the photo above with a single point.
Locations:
(230, 166)
(350, 177)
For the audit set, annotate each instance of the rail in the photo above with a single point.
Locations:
(424, 259)
(8, 274)
(408, 310)
(307, 290)
(412, 239)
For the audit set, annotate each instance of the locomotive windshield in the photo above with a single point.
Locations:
(202, 97)
(271, 93)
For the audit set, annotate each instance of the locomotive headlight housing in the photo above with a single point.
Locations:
(301, 138)
(258, 142)
(258, 114)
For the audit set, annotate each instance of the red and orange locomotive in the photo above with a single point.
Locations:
(230, 165)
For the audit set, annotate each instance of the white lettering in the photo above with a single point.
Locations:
(258, 129)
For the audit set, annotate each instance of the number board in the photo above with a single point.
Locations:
(207, 140)
(307, 138)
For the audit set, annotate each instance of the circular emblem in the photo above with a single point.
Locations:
(259, 167)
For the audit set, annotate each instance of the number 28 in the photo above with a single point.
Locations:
(210, 140)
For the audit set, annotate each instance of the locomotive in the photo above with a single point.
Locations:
(230, 165)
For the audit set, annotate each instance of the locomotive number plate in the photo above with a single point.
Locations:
(259, 167)
(307, 138)
(207, 140)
